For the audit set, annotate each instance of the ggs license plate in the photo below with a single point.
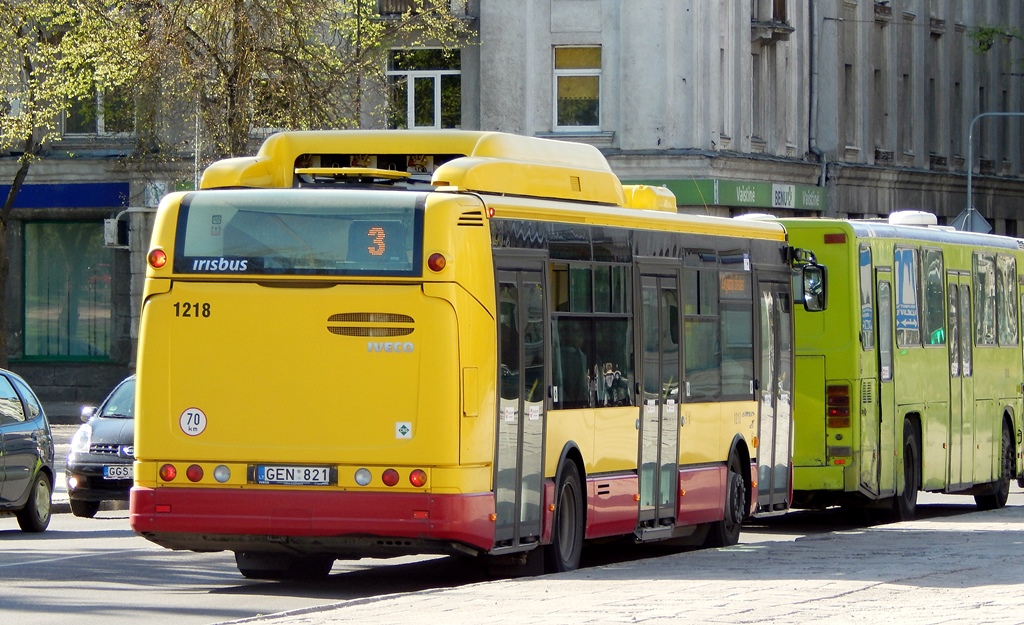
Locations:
(293, 475)
(118, 471)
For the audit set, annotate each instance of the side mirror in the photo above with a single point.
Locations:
(87, 412)
(815, 287)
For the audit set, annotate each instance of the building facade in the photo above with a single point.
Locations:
(849, 108)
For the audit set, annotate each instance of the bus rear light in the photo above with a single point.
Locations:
(168, 473)
(363, 477)
(194, 473)
(437, 262)
(157, 258)
(837, 400)
(162, 507)
(420, 514)
(222, 474)
(418, 478)
(390, 477)
(838, 422)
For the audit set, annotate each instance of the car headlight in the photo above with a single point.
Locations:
(81, 440)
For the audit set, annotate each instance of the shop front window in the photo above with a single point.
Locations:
(68, 308)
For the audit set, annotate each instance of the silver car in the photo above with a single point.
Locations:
(26, 455)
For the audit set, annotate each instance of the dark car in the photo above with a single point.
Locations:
(100, 466)
(26, 455)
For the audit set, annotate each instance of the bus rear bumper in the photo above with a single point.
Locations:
(817, 487)
(345, 524)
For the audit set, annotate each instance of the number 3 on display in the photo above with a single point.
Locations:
(378, 241)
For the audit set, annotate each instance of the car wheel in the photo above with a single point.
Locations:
(35, 516)
(87, 509)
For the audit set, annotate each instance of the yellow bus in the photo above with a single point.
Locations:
(911, 380)
(376, 343)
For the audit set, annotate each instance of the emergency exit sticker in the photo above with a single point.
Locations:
(192, 422)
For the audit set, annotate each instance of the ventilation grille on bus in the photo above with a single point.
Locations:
(471, 218)
(369, 324)
(574, 183)
(867, 392)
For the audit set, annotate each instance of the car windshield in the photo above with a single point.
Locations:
(121, 403)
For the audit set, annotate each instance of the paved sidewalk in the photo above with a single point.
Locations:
(964, 568)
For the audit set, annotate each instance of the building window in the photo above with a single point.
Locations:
(109, 112)
(68, 310)
(425, 89)
(578, 88)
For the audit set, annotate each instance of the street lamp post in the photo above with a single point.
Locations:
(969, 212)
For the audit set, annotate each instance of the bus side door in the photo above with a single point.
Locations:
(519, 443)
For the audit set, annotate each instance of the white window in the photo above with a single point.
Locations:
(425, 89)
(108, 112)
(577, 88)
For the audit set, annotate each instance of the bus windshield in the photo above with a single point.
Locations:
(300, 232)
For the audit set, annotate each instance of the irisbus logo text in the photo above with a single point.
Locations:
(389, 346)
(219, 264)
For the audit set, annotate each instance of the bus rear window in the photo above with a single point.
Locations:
(300, 232)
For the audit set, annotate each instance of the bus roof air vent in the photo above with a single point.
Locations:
(913, 218)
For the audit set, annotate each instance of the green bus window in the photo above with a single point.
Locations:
(1006, 300)
(867, 310)
(580, 289)
(954, 332)
(884, 331)
(966, 354)
(908, 325)
(933, 298)
(984, 300)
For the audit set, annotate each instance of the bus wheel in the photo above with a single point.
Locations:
(257, 565)
(727, 531)
(1001, 489)
(905, 504)
(563, 554)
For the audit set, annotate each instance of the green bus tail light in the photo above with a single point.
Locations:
(837, 403)
(838, 422)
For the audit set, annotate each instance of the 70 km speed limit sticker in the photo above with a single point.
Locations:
(192, 421)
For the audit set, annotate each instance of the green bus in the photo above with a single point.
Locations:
(912, 378)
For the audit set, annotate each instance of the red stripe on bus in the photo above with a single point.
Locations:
(460, 518)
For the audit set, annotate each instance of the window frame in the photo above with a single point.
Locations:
(99, 121)
(558, 73)
(393, 76)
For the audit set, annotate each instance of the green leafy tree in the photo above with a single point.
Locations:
(986, 37)
(250, 64)
(53, 53)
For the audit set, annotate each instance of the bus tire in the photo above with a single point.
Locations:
(35, 516)
(905, 503)
(274, 566)
(726, 532)
(563, 554)
(1001, 488)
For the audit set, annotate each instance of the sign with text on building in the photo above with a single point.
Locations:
(742, 194)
